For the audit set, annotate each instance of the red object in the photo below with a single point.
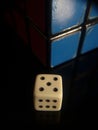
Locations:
(20, 26)
(38, 45)
(9, 19)
(36, 12)
(20, 4)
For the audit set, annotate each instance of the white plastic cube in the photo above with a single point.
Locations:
(48, 92)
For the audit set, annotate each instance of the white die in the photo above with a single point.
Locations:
(48, 92)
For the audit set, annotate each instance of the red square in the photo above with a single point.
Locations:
(38, 45)
(20, 26)
(36, 13)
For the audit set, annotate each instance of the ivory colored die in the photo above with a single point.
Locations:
(48, 92)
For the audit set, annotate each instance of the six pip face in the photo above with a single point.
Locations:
(48, 92)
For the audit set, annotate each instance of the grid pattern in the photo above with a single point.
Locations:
(57, 31)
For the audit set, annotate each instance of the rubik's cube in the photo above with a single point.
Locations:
(62, 30)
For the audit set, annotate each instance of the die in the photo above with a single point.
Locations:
(48, 92)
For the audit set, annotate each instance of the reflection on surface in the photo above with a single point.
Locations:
(62, 9)
(65, 14)
(46, 118)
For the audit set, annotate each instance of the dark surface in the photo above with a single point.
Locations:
(80, 84)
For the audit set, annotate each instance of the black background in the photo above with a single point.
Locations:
(80, 84)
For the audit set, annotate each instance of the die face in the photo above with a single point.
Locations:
(67, 13)
(91, 40)
(47, 104)
(48, 92)
(48, 85)
(64, 49)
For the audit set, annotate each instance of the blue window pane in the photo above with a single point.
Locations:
(91, 39)
(67, 13)
(64, 49)
(93, 11)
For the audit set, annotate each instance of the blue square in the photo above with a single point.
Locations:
(64, 49)
(91, 39)
(67, 14)
(93, 11)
